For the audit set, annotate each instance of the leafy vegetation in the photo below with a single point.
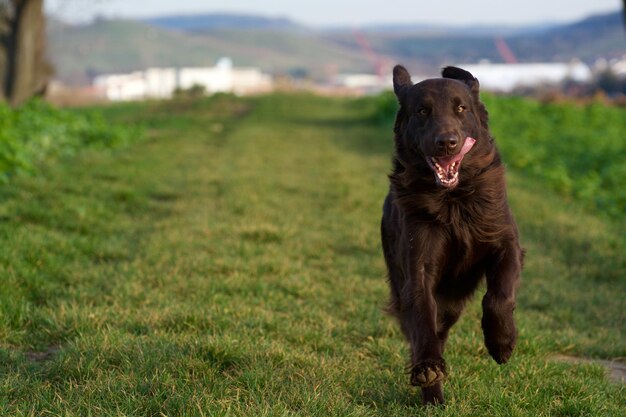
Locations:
(576, 150)
(231, 266)
(37, 131)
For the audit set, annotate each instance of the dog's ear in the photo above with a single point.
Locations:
(461, 75)
(472, 82)
(401, 81)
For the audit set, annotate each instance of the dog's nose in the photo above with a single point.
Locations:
(446, 142)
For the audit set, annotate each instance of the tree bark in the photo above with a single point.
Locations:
(24, 69)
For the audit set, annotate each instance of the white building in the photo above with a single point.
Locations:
(162, 82)
(122, 86)
(616, 66)
(363, 81)
(507, 77)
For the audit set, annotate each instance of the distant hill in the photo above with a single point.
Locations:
(205, 22)
(109, 46)
(592, 38)
(281, 46)
(595, 37)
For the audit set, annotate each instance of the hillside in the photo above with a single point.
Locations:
(281, 46)
(204, 22)
(123, 45)
(590, 39)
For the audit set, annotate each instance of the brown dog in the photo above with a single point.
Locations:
(446, 223)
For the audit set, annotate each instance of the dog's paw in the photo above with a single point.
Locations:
(428, 373)
(500, 338)
(500, 349)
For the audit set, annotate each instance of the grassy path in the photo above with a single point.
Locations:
(230, 265)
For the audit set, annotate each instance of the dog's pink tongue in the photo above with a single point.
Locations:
(447, 161)
(469, 143)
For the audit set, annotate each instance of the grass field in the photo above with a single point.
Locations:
(229, 265)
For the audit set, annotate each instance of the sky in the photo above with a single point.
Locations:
(347, 12)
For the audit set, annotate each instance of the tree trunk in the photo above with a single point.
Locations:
(24, 70)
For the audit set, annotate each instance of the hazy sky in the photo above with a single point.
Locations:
(348, 12)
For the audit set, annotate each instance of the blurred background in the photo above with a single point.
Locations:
(119, 50)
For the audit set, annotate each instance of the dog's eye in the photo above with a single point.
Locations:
(460, 109)
(422, 111)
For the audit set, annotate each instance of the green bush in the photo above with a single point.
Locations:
(576, 150)
(38, 131)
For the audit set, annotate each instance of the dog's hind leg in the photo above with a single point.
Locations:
(499, 303)
(448, 313)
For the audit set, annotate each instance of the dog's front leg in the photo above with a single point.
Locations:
(418, 319)
(499, 302)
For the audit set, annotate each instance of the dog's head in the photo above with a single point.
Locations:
(439, 122)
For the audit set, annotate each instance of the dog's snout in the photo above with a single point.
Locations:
(447, 142)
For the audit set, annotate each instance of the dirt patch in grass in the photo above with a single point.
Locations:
(42, 355)
(616, 370)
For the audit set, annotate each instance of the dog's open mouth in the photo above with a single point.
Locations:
(446, 168)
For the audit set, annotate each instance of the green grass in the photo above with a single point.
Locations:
(229, 265)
